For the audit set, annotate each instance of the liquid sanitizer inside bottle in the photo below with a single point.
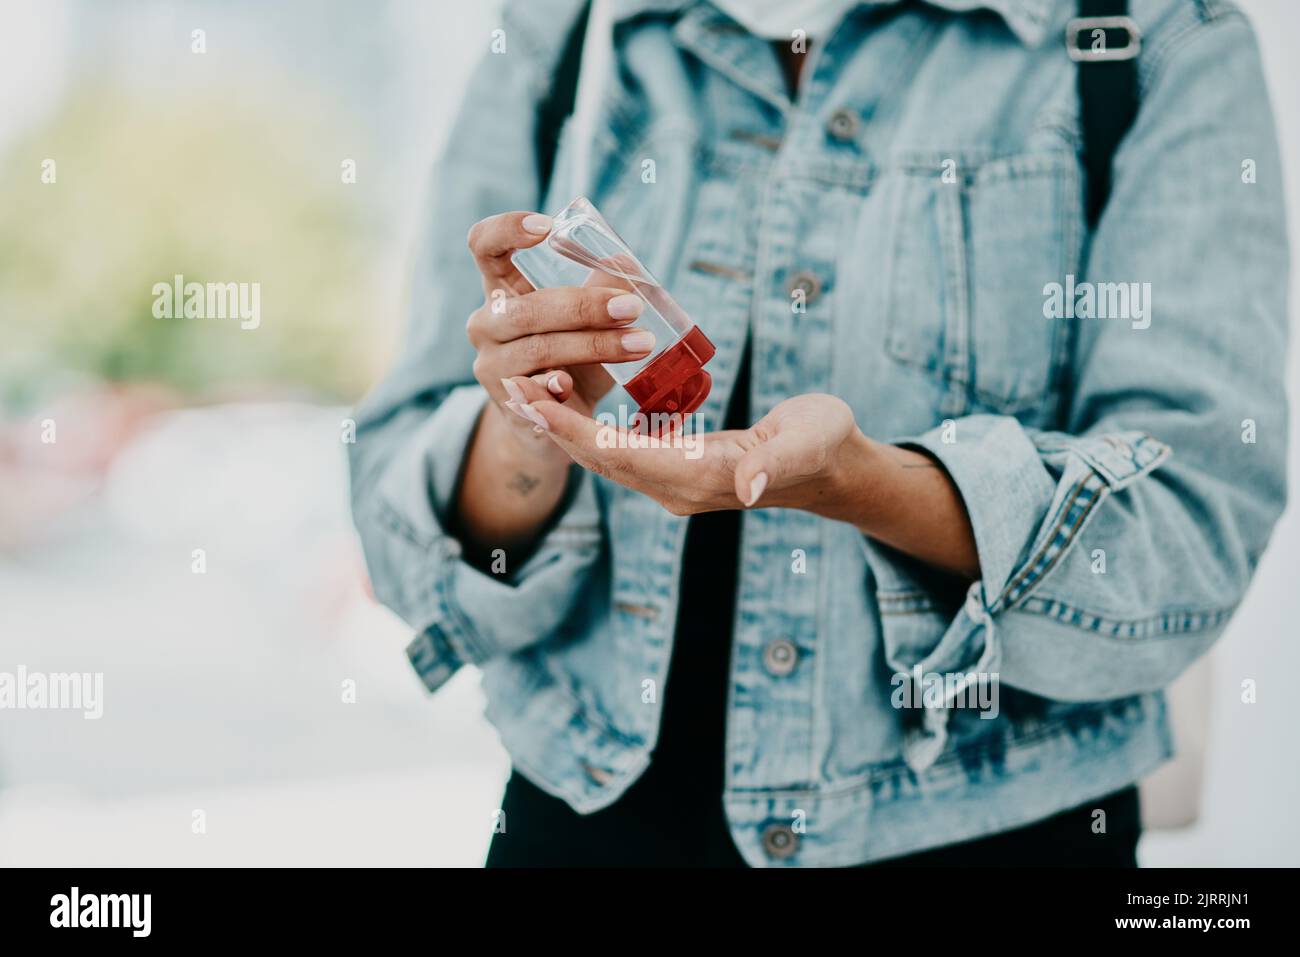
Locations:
(582, 250)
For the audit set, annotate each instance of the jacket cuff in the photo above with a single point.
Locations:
(1028, 498)
(433, 658)
(461, 614)
(1006, 490)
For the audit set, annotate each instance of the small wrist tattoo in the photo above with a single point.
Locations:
(523, 483)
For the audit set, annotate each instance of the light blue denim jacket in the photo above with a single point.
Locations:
(924, 191)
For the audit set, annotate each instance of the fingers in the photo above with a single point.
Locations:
(533, 354)
(752, 479)
(598, 277)
(544, 330)
(631, 459)
(557, 382)
(619, 270)
(492, 240)
(553, 310)
(556, 385)
(522, 390)
(774, 457)
(572, 431)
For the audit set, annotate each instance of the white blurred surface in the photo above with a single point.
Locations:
(225, 690)
(383, 819)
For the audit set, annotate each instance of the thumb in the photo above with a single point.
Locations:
(769, 464)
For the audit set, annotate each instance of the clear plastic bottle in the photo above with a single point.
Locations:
(582, 250)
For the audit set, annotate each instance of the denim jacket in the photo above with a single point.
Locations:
(924, 195)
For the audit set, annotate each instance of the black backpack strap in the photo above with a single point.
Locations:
(557, 105)
(1105, 42)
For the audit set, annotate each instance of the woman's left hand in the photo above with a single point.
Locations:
(797, 456)
(807, 453)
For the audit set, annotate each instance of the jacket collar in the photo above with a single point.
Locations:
(1029, 20)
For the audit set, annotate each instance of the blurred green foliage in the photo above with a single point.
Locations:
(213, 188)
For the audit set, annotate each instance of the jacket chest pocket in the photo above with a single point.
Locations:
(972, 251)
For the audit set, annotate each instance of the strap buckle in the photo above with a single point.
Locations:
(1100, 52)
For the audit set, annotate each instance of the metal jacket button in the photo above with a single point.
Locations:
(843, 126)
(807, 283)
(780, 841)
(780, 656)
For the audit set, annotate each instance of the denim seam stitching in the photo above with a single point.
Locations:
(1168, 46)
(1030, 566)
(1168, 623)
(1060, 542)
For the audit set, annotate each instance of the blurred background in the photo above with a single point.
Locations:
(269, 692)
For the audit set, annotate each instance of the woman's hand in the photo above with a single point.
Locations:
(794, 457)
(531, 345)
(807, 453)
(539, 356)
(550, 342)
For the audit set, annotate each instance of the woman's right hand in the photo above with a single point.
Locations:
(532, 345)
(548, 343)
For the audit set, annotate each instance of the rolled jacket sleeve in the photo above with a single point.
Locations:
(1113, 552)
(413, 430)
(462, 615)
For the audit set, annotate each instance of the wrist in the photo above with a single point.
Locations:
(516, 441)
(508, 487)
(851, 479)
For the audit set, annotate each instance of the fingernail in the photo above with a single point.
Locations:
(756, 488)
(533, 416)
(641, 340)
(537, 224)
(553, 385)
(516, 394)
(514, 407)
(626, 306)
